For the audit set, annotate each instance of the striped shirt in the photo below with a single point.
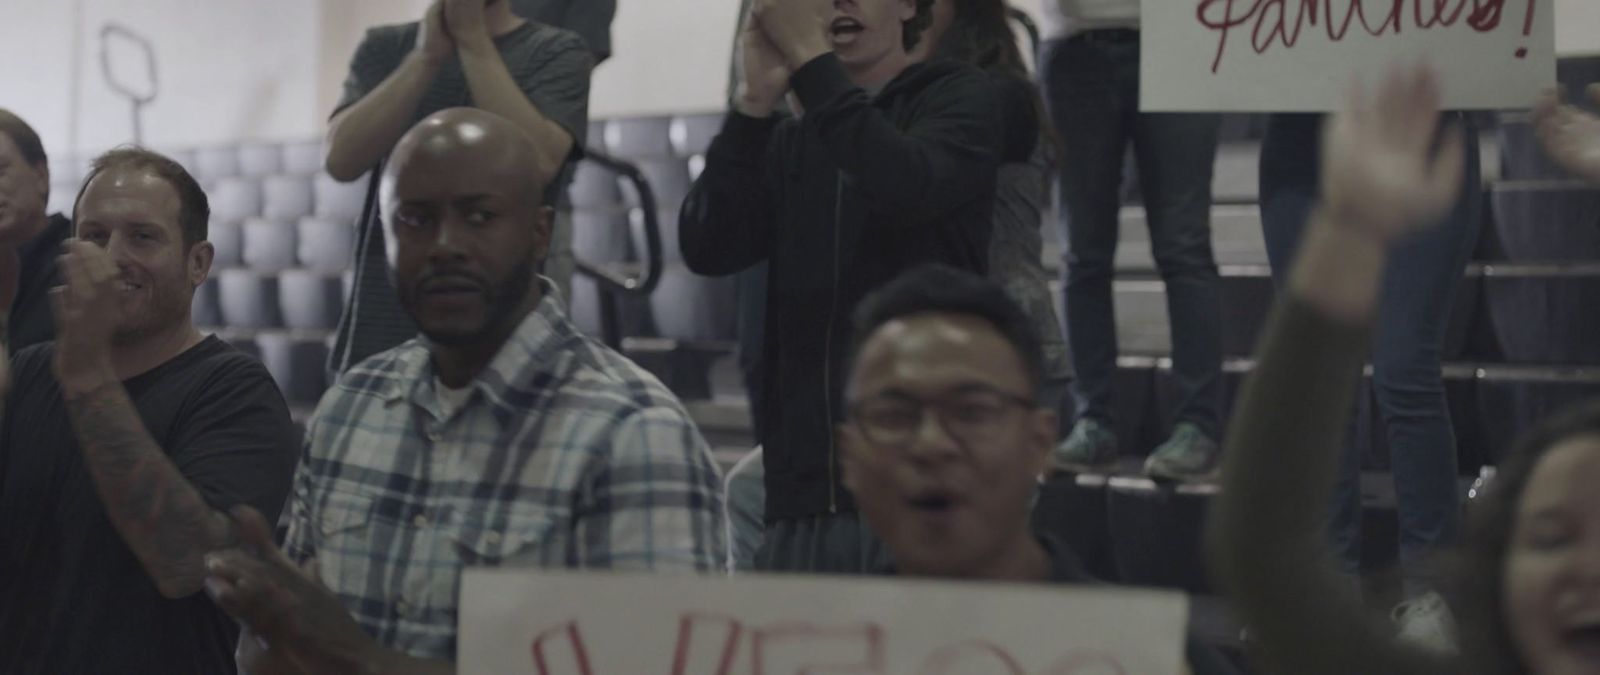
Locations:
(563, 454)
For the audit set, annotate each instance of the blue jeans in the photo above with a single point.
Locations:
(1419, 287)
(1092, 92)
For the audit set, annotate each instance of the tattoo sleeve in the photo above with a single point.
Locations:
(155, 509)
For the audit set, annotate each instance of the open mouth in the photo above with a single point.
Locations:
(1583, 638)
(845, 29)
(129, 286)
(450, 286)
(933, 502)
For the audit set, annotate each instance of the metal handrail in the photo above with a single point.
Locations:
(1028, 26)
(612, 282)
(138, 100)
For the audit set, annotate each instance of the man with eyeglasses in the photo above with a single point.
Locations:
(946, 436)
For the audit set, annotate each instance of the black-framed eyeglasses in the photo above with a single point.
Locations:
(970, 415)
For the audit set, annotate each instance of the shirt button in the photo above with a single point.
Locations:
(402, 608)
(433, 435)
(492, 538)
(420, 520)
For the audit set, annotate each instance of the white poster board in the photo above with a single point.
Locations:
(1302, 55)
(567, 623)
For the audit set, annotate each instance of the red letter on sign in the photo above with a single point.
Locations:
(975, 656)
(803, 649)
(732, 631)
(578, 658)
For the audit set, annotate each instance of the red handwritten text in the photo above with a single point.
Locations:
(1281, 22)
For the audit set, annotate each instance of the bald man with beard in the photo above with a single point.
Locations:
(502, 436)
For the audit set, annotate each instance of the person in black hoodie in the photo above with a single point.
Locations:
(889, 165)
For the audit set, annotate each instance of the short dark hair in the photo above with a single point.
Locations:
(911, 30)
(25, 137)
(194, 210)
(945, 289)
(1480, 563)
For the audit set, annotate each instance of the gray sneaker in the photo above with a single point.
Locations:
(1189, 455)
(1091, 447)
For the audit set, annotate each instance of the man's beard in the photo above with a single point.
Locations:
(166, 309)
(503, 299)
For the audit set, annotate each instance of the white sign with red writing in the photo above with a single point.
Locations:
(1302, 55)
(567, 623)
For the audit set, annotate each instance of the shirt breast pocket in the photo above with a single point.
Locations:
(345, 538)
(516, 537)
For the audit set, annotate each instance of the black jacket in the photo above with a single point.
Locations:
(840, 201)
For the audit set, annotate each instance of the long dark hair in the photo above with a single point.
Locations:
(981, 34)
(1480, 561)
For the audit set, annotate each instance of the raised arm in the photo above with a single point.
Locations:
(726, 222)
(1570, 135)
(494, 89)
(1382, 179)
(378, 108)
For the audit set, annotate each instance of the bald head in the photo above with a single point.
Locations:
(470, 141)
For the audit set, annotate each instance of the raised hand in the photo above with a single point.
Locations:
(465, 21)
(764, 73)
(87, 309)
(1570, 136)
(1385, 169)
(433, 38)
(797, 28)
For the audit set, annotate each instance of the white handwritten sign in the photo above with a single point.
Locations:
(1302, 55)
(565, 623)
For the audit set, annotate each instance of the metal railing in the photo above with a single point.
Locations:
(617, 281)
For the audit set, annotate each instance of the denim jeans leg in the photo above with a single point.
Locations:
(1176, 156)
(1085, 87)
(1290, 155)
(1420, 285)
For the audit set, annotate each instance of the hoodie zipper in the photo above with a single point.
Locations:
(827, 350)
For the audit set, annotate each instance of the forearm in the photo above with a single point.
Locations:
(494, 90)
(161, 517)
(361, 135)
(726, 221)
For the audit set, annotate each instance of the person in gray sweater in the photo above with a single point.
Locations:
(1529, 573)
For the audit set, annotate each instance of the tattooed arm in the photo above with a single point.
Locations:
(159, 514)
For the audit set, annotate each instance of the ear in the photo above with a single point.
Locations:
(908, 10)
(199, 263)
(543, 230)
(1043, 427)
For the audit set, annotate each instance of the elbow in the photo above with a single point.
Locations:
(341, 169)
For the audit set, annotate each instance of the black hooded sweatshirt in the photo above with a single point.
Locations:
(857, 190)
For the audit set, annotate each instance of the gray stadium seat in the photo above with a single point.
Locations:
(227, 237)
(597, 135)
(269, 244)
(327, 245)
(235, 198)
(692, 134)
(639, 137)
(297, 363)
(310, 299)
(286, 197)
(594, 187)
(667, 219)
(302, 158)
(600, 236)
(205, 310)
(669, 180)
(336, 200)
(260, 160)
(697, 164)
(1547, 221)
(687, 306)
(215, 163)
(249, 298)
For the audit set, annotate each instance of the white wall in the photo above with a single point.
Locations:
(227, 70)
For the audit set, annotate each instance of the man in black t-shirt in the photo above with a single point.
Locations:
(30, 238)
(126, 441)
(463, 53)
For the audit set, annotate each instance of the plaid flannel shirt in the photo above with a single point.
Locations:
(563, 455)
